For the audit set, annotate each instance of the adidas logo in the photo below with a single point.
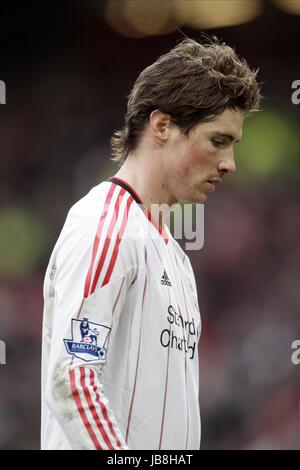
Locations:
(165, 281)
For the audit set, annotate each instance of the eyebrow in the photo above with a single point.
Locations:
(228, 136)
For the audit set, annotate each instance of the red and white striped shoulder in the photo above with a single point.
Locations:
(112, 222)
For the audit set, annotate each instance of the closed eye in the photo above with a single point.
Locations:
(219, 142)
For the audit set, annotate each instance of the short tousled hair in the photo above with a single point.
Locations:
(192, 83)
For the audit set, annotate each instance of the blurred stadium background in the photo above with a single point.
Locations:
(68, 67)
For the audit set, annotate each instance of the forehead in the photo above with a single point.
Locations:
(228, 122)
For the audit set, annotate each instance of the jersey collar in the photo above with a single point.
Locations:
(136, 197)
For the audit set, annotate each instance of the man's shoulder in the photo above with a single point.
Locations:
(92, 202)
(107, 199)
(110, 214)
(95, 229)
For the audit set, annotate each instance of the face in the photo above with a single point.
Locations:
(195, 164)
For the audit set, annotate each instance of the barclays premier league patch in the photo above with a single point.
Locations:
(89, 340)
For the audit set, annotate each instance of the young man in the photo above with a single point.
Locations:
(121, 317)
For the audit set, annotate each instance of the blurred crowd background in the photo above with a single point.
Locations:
(68, 67)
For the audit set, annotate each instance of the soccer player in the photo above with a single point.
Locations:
(121, 318)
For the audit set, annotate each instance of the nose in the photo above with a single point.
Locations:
(227, 164)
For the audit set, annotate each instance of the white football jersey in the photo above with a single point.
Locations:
(120, 331)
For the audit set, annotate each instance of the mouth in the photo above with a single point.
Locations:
(212, 183)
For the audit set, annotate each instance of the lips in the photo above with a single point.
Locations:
(210, 185)
(214, 181)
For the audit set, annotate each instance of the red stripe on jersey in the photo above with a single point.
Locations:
(108, 238)
(185, 366)
(118, 241)
(93, 409)
(147, 213)
(80, 408)
(160, 228)
(165, 397)
(137, 362)
(104, 410)
(139, 201)
(97, 240)
(118, 296)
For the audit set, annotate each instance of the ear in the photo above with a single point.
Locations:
(159, 124)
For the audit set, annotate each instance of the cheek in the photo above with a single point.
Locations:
(178, 162)
(189, 161)
(196, 161)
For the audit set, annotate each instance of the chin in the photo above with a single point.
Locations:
(200, 196)
(202, 199)
(196, 199)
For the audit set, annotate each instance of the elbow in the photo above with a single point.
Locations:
(58, 395)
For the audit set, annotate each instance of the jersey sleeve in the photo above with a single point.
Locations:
(92, 270)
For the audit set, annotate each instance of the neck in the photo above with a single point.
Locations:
(148, 181)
